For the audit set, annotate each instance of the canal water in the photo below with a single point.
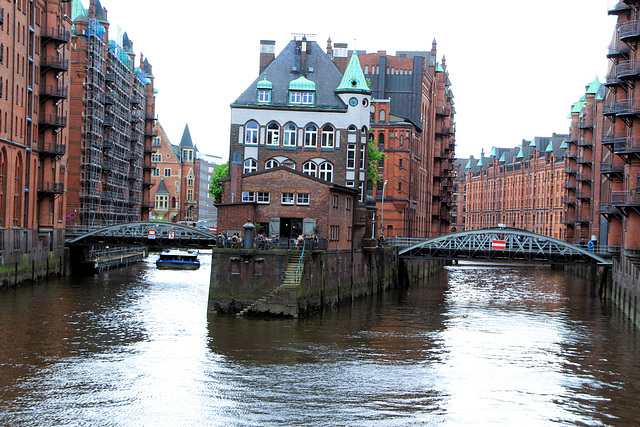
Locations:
(475, 345)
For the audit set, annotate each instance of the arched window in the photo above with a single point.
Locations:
(270, 164)
(326, 171)
(311, 136)
(310, 168)
(383, 116)
(366, 69)
(381, 141)
(251, 133)
(273, 134)
(327, 136)
(290, 135)
(250, 165)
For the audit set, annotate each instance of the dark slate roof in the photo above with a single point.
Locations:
(126, 43)
(287, 67)
(186, 141)
(162, 188)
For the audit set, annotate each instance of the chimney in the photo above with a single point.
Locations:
(329, 47)
(235, 175)
(341, 56)
(267, 53)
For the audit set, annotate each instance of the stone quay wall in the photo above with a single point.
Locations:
(254, 281)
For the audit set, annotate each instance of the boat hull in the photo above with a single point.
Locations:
(178, 265)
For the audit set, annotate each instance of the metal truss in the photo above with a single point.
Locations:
(504, 244)
(143, 233)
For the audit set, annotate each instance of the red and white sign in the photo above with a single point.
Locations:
(151, 235)
(213, 229)
(499, 245)
(171, 234)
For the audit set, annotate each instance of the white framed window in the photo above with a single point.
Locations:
(157, 142)
(327, 136)
(273, 134)
(311, 136)
(264, 95)
(156, 157)
(263, 197)
(270, 164)
(307, 98)
(362, 157)
(156, 172)
(251, 133)
(289, 135)
(167, 171)
(295, 97)
(250, 165)
(248, 196)
(288, 198)
(351, 156)
(303, 198)
(326, 171)
(310, 168)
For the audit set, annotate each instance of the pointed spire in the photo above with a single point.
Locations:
(353, 79)
(494, 152)
(502, 159)
(468, 166)
(479, 164)
(162, 187)
(186, 141)
(533, 142)
(564, 144)
(520, 154)
(549, 147)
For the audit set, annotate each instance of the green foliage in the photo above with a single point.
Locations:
(215, 189)
(375, 156)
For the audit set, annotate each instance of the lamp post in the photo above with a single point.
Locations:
(382, 215)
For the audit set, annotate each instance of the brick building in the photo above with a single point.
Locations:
(177, 175)
(414, 122)
(110, 124)
(520, 187)
(301, 113)
(34, 79)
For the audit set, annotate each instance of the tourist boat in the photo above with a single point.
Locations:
(178, 259)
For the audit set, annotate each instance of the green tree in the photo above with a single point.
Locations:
(375, 156)
(215, 189)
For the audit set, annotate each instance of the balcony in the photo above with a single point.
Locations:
(108, 121)
(573, 169)
(50, 188)
(584, 194)
(618, 49)
(625, 199)
(443, 111)
(54, 63)
(443, 130)
(110, 77)
(584, 142)
(58, 35)
(55, 92)
(584, 159)
(585, 123)
(569, 186)
(52, 120)
(584, 176)
(626, 146)
(584, 219)
(628, 69)
(51, 148)
(629, 31)
(612, 169)
(567, 200)
(608, 210)
(148, 182)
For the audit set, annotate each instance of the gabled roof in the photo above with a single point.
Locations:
(353, 79)
(287, 67)
(162, 187)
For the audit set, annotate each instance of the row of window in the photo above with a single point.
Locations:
(323, 171)
(289, 135)
(286, 198)
(295, 97)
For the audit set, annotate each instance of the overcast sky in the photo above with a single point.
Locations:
(515, 66)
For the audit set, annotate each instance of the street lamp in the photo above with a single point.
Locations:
(382, 215)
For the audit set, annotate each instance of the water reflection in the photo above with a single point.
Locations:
(474, 345)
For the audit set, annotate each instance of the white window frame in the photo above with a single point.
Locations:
(251, 133)
(289, 135)
(273, 134)
(362, 148)
(263, 197)
(303, 198)
(250, 165)
(165, 172)
(248, 196)
(156, 172)
(156, 157)
(327, 137)
(264, 96)
(307, 98)
(310, 168)
(325, 171)
(311, 136)
(295, 97)
(288, 198)
(351, 156)
(270, 164)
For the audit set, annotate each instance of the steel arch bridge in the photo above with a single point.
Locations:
(503, 244)
(147, 233)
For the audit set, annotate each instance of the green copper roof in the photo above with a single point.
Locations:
(502, 160)
(439, 68)
(577, 107)
(302, 83)
(493, 152)
(468, 164)
(533, 142)
(353, 79)
(479, 164)
(266, 84)
(520, 154)
(564, 144)
(594, 87)
(549, 147)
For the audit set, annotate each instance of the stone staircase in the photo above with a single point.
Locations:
(268, 303)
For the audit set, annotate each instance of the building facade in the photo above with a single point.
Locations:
(417, 125)
(110, 129)
(301, 113)
(34, 105)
